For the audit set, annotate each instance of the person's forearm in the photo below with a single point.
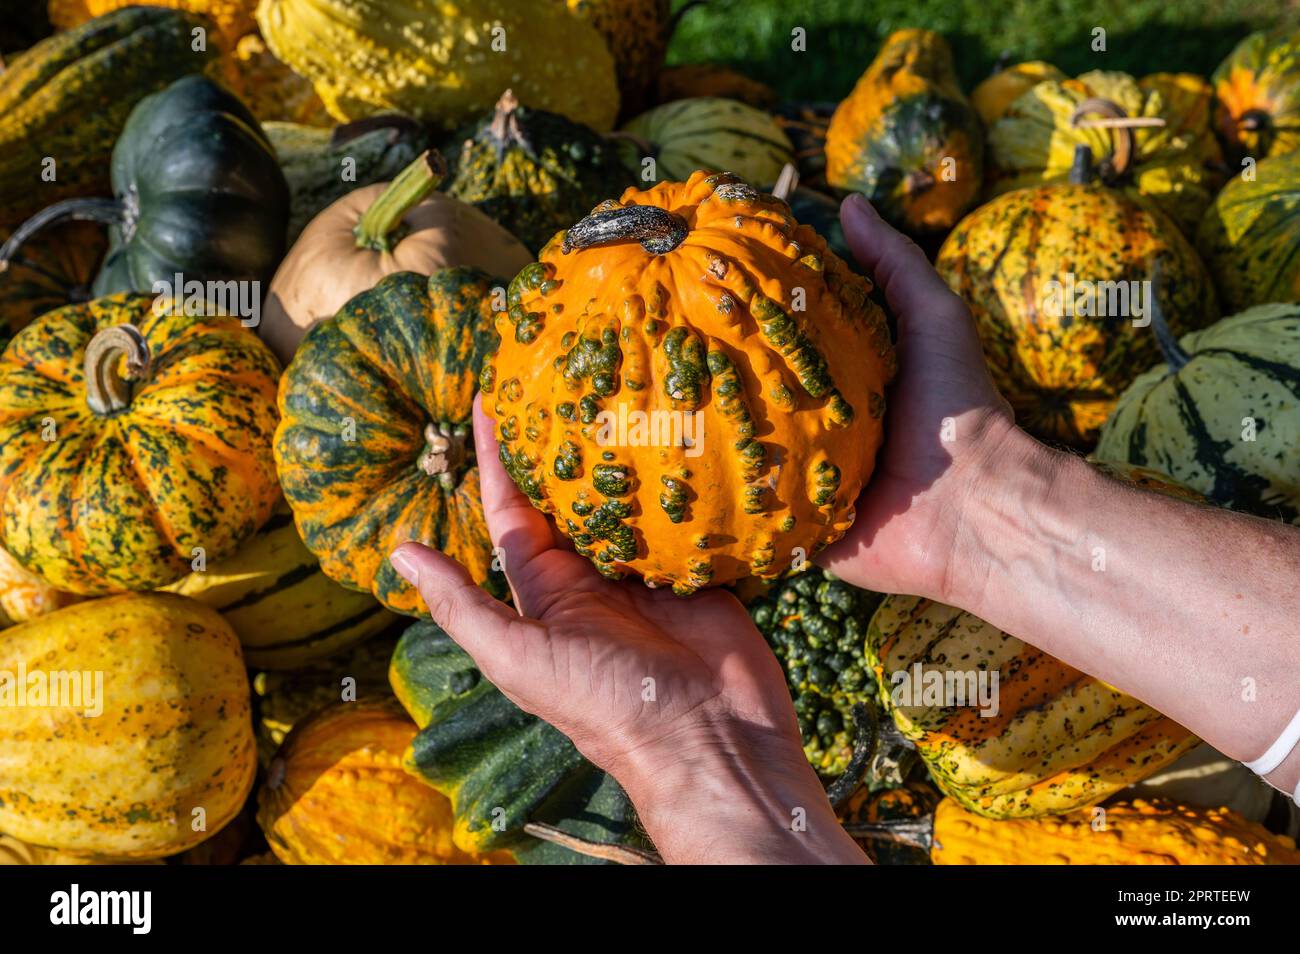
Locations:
(711, 801)
(1192, 609)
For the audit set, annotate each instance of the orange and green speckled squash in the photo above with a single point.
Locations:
(1060, 739)
(1171, 158)
(995, 93)
(68, 97)
(233, 18)
(637, 34)
(1257, 91)
(53, 269)
(907, 138)
(132, 438)
(1133, 832)
(1220, 413)
(680, 304)
(174, 733)
(1013, 261)
(374, 446)
(1249, 236)
(336, 794)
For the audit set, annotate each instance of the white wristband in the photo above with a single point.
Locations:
(1279, 750)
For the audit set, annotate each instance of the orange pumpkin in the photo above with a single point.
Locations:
(692, 384)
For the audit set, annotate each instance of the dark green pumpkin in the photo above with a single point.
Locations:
(1222, 414)
(534, 172)
(500, 766)
(374, 445)
(197, 191)
(68, 97)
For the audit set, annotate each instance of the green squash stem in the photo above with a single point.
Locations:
(108, 392)
(1081, 167)
(380, 227)
(104, 211)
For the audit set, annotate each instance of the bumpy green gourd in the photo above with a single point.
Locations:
(534, 172)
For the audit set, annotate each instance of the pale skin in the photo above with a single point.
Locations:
(1192, 602)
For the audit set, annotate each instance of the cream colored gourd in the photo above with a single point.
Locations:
(404, 227)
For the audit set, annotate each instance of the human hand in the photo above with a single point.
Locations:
(947, 426)
(679, 699)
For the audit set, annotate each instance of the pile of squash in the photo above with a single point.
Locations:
(280, 246)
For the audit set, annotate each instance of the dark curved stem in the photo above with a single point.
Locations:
(658, 230)
(397, 124)
(104, 211)
(1170, 349)
(917, 832)
(866, 731)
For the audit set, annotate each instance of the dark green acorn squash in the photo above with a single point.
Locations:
(500, 766)
(817, 627)
(197, 191)
(534, 172)
(68, 97)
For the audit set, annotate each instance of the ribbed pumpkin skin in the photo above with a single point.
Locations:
(312, 161)
(175, 732)
(233, 18)
(286, 612)
(1248, 237)
(286, 697)
(1136, 832)
(637, 34)
(710, 134)
(1190, 423)
(53, 269)
(1172, 166)
(355, 403)
(540, 185)
(435, 61)
(336, 794)
(1258, 85)
(24, 595)
(907, 138)
(1061, 740)
(15, 852)
(995, 93)
(208, 197)
(120, 502)
(68, 97)
(500, 766)
(1063, 374)
(791, 403)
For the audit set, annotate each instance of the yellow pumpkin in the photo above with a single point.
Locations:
(151, 750)
(336, 794)
(995, 93)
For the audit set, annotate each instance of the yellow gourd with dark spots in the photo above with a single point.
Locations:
(134, 439)
(155, 758)
(699, 306)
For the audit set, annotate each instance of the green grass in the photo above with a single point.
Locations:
(1142, 36)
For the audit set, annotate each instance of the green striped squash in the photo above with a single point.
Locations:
(710, 133)
(500, 766)
(1223, 414)
(285, 610)
(68, 97)
(1250, 234)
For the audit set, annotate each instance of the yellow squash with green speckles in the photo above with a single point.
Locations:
(134, 438)
(1175, 162)
(444, 63)
(998, 91)
(1060, 345)
(691, 384)
(1257, 93)
(154, 758)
